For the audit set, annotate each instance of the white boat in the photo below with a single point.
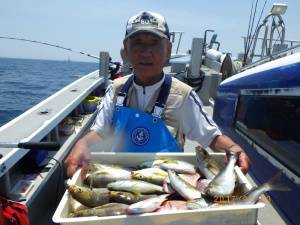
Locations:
(42, 191)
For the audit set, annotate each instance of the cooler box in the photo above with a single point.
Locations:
(225, 215)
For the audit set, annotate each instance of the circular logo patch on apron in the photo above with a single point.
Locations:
(140, 136)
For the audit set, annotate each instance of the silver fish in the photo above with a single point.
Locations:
(252, 196)
(128, 197)
(202, 185)
(190, 178)
(153, 175)
(207, 169)
(88, 197)
(172, 205)
(186, 190)
(75, 205)
(152, 163)
(223, 184)
(198, 203)
(94, 166)
(135, 186)
(178, 166)
(102, 177)
(148, 205)
(110, 209)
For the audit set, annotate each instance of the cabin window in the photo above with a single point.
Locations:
(272, 122)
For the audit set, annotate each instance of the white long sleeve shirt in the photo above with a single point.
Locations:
(196, 125)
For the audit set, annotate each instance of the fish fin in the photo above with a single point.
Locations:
(170, 161)
(160, 174)
(102, 172)
(136, 192)
(275, 183)
(164, 158)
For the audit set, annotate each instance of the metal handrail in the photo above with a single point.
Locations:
(269, 58)
(173, 37)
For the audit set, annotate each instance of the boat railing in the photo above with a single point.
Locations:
(175, 37)
(288, 51)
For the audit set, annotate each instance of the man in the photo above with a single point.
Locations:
(149, 111)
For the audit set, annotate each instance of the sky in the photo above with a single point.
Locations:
(95, 25)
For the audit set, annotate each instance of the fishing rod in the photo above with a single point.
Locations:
(48, 44)
(113, 66)
(49, 146)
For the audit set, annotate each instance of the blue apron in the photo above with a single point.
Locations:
(137, 131)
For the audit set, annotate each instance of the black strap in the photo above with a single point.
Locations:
(164, 92)
(125, 88)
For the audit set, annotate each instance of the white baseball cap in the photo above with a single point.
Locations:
(147, 22)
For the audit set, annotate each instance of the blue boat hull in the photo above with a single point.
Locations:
(273, 77)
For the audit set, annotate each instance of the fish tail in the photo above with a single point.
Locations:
(275, 183)
(199, 156)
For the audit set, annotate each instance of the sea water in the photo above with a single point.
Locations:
(26, 82)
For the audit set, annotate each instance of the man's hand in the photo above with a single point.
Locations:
(79, 157)
(222, 142)
(243, 161)
(80, 154)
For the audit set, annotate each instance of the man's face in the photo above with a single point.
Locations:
(147, 54)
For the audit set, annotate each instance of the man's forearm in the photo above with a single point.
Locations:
(223, 142)
(89, 140)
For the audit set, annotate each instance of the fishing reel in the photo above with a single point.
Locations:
(114, 69)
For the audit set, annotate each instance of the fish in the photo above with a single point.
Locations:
(202, 185)
(110, 209)
(135, 186)
(153, 175)
(172, 205)
(168, 188)
(75, 205)
(207, 169)
(94, 166)
(190, 178)
(128, 197)
(186, 190)
(223, 184)
(148, 205)
(89, 197)
(198, 203)
(251, 197)
(152, 163)
(102, 177)
(178, 166)
(240, 189)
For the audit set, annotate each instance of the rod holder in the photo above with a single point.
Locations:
(103, 65)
